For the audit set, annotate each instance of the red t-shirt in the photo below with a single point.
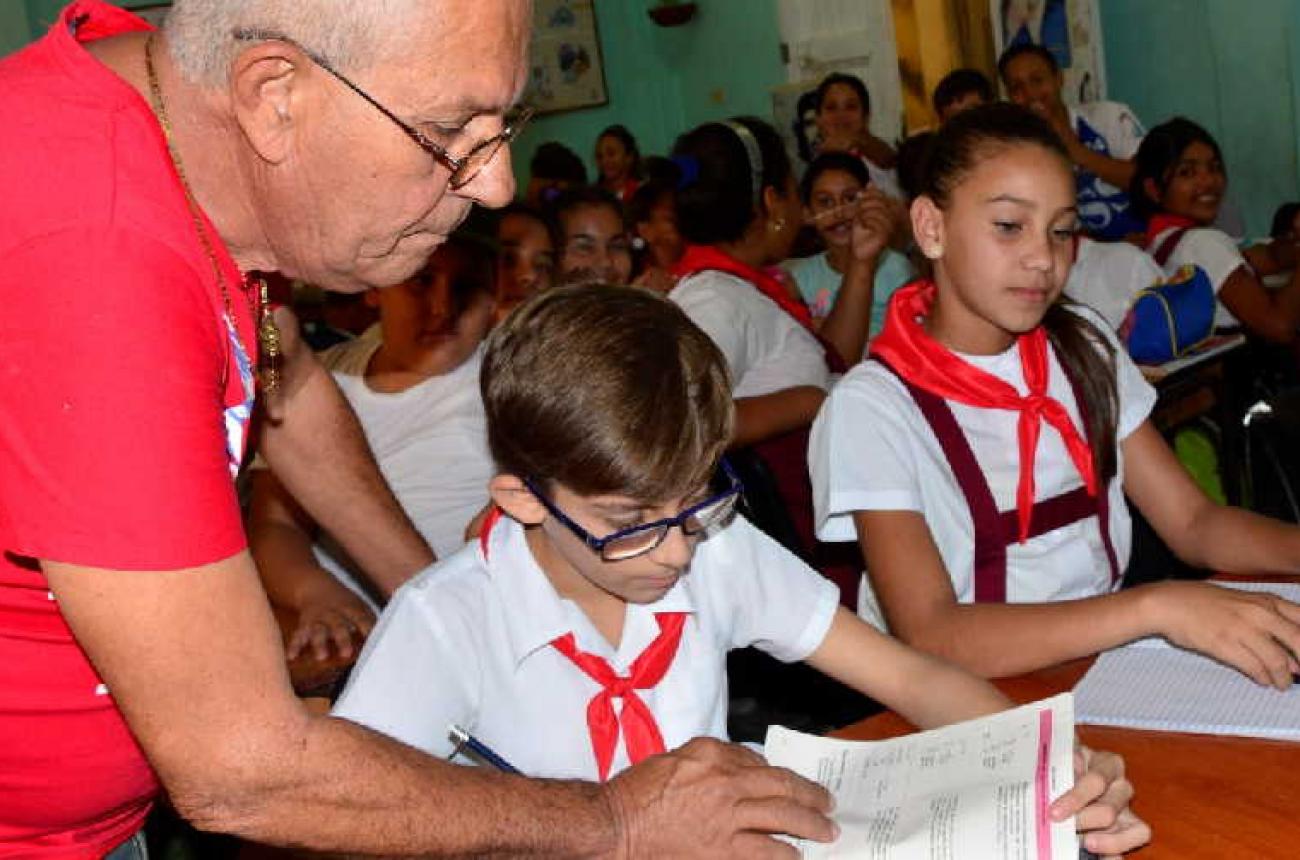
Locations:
(123, 404)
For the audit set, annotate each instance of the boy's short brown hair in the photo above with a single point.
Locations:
(606, 390)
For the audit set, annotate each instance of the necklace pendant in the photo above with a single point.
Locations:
(268, 341)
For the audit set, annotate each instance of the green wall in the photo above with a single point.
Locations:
(1231, 65)
(663, 81)
(15, 30)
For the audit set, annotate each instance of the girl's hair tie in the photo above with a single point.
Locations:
(689, 168)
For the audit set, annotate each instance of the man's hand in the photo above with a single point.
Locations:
(1100, 798)
(710, 799)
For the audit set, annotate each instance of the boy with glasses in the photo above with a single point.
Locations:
(615, 567)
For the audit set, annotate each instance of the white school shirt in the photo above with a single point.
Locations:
(1214, 251)
(1107, 275)
(468, 642)
(872, 450)
(766, 349)
(430, 442)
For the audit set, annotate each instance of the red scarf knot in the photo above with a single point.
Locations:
(929, 365)
(640, 731)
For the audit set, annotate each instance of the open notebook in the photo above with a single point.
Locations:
(1150, 684)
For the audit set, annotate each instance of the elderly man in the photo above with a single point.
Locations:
(338, 142)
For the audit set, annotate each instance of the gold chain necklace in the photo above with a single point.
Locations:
(268, 334)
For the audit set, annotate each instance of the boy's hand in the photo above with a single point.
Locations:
(337, 618)
(710, 799)
(1100, 798)
(1257, 634)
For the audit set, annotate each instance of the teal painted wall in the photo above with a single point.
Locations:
(1231, 65)
(14, 27)
(663, 81)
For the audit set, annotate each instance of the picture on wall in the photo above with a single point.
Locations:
(1070, 29)
(565, 64)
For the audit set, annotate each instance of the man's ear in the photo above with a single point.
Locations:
(511, 495)
(267, 89)
(927, 227)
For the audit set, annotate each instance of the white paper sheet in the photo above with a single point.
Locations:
(974, 790)
(1150, 684)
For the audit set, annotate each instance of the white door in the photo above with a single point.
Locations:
(851, 36)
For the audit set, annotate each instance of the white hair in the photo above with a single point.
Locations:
(201, 33)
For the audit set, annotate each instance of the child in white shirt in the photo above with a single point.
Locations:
(615, 570)
(989, 500)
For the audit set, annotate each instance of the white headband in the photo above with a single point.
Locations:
(754, 155)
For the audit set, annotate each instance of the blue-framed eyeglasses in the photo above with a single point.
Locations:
(641, 539)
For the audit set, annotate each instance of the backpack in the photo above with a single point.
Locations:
(1173, 316)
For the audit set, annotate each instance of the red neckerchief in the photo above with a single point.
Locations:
(640, 731)
(929, 365)
(1162, 221)
(699, 258)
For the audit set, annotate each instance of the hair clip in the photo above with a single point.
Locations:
(689, 166)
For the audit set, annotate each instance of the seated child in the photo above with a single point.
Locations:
(652, 212)
(834, 190)
(525, 256)
(1101, 138)
(1007, 428)
(554, 168)
(961, 89)
(593, 242)
(1179, 187)
(616, 568)
(413, 383)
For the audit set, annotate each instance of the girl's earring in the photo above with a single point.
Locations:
(933, 252)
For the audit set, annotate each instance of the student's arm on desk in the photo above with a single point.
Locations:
(314, 444)
(768, 415)
(996, 640)
(929, 692)
(280, 541)
(1271, 314)
(193, 660)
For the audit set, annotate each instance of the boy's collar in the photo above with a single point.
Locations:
(523, 585)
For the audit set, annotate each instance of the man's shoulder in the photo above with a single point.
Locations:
(81, 158)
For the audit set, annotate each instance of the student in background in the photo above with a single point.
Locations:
(1106, 276)
(836, 192)
(525, 261)
(615, 567)
(1101, 138)
(591, 236)
(414, 388)
(843, 125)
(553, 169)
(1179, 186)
(652, 212)
(618, 161)
(961, 89)
(1007, 429)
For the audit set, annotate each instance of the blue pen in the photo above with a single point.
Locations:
(467, 741)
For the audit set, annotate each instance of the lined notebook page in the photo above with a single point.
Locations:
(1151, 684)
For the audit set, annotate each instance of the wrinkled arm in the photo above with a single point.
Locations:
(317, 449)
(193, 660)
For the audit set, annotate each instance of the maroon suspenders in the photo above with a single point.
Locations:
(996, 530)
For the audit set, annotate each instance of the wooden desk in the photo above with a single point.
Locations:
(1204, 796)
